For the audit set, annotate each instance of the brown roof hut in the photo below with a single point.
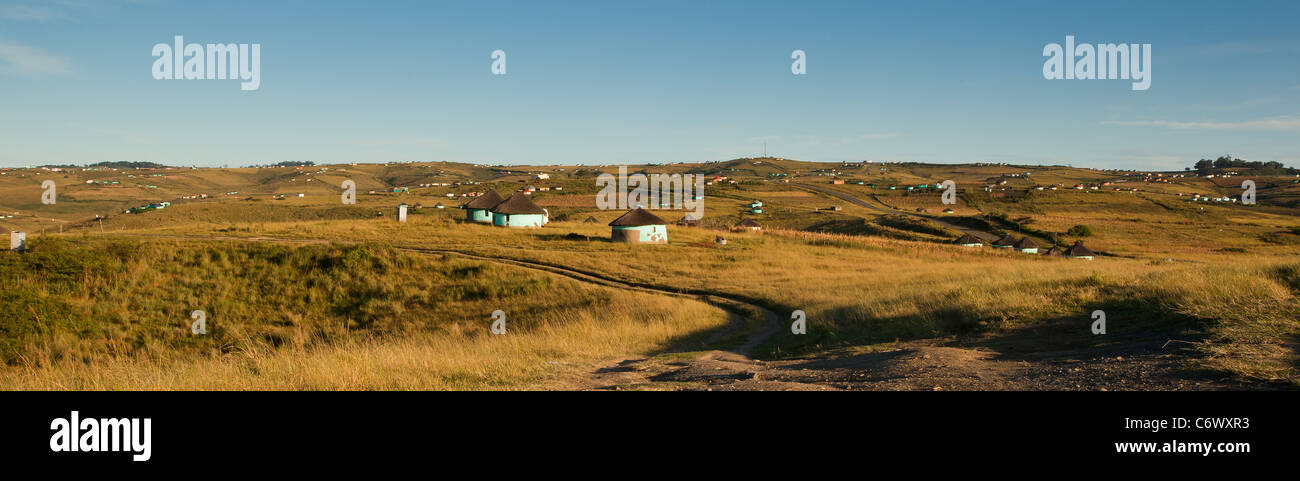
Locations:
(1079, 251)
(1027, 246)
(519, 210)
(1005, 242)
(639, 226)
(480, 209)
(750, 225)
(968, 240)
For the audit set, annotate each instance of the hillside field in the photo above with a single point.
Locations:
(302, 291)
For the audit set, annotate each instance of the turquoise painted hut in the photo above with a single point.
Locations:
(480, 209)
(967, 240)
(1027, 246)
(639, 226)
(1078, 251)
(518, 210)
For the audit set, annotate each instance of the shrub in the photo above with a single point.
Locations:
(1079, 231)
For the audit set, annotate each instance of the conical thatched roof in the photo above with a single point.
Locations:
(748, 223)
(968, 239)
(1025, 244)
(1078, 250)
(518, 203)
(590, 220)
(636, 217)
(488, 200)
(1006, 240)
(1054, 251)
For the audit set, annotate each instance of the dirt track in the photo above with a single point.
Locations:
(1036, 358)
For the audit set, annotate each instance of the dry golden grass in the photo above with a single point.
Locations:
(556, 348)
(97, 315)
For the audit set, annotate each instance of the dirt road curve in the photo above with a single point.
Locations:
(725, 302)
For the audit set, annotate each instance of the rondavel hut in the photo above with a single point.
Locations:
(967, 240)
(1027, 246)
(749, 225)
(639, 226)
(518, 210)
(1078, 251)
(480, 209)
(1005, 242)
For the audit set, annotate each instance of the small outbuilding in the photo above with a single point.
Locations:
(480, 209)
(750, 225)
(1055, 250)
(967, 240)
(17, 241)
(519, 210)
(639, 226)
(590, 220)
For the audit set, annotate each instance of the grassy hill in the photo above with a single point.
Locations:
(332, 288)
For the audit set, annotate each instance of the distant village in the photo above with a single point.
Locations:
(638, 225)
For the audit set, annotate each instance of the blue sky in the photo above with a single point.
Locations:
(648, 81)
